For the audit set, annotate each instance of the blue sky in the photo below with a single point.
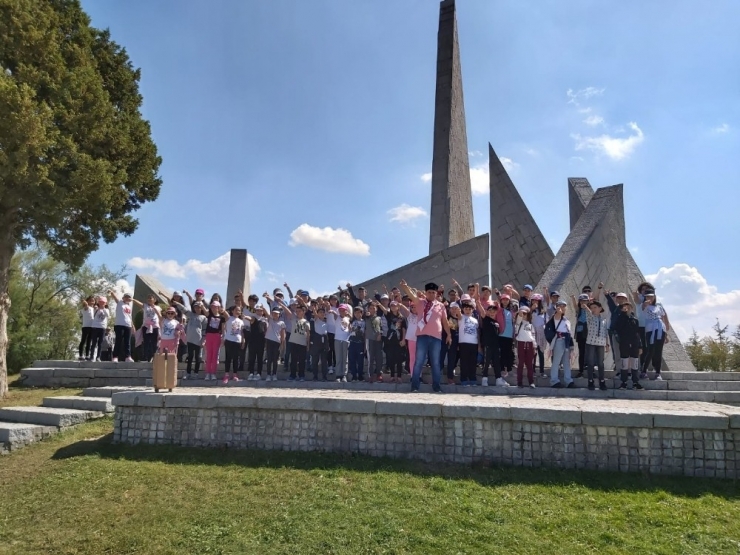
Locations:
(272, 115)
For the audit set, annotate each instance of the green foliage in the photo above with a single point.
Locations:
(717, 354)
(77, 156)
(44, 318)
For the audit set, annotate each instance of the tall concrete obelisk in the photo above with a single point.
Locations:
(451, 220)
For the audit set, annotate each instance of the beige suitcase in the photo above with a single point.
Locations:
(164, 371)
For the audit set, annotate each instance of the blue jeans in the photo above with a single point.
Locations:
(560, 355)
(426, 345)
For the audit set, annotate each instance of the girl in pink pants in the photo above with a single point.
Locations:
(212, 342)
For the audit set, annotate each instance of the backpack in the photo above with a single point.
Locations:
(550, 332)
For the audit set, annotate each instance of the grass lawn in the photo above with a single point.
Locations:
(31, 396)
(78, 493)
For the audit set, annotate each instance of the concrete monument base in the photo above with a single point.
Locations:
(692, 439)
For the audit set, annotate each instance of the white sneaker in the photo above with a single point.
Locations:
(500, 382)
(257, 377)
(184, 376)
(129, 359)
(532, 386)
(268, 378)
(274, 378)
(114, 359)
(484, 382)
(250, 378)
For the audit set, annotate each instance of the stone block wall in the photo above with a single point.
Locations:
(663, 443)
(465, 262)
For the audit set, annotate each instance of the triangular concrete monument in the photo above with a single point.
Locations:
(580, 194)
(451, 220)
(519, 252)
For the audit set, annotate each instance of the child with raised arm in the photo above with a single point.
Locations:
(340, 316)
(99, 325)
(233, 339)
(274, 339)
(152, 316)
(525, 345)
(86, 316)
(356, 350)
(170, 330)
(212, 341)
(124, 326)
(195, 329)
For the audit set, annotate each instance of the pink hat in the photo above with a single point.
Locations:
(505, 297)
(344, 307)
(537, 297)
(215, 303)
(200, 292)
(102, 300)
(465, 297)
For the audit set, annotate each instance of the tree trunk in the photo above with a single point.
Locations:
(7, 249)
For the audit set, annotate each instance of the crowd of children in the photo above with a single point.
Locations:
(352, 336)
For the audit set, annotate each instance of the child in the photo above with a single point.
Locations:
(124, 326)
(412, 324)
(342, 325)
(539, 318)
(596, 344)
(152, 316)
(452, 352)
(395, 342)
(468, 337)
(582, 312)
(656, 329)
(274, 340)
(256, 334)
(525, 343)
(356, 351)
(374, 335)
(505, 319)
(108, 344)
(561, 346)
(195, 328)
(99, 325)
(331, 357)
(170, 330)
(299, 339)
(233, 339)
(212, 340)
(489, 343)
(627, 328)
(86, 315)
(319, 343)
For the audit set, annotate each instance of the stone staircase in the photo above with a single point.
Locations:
(716, 387)
(20, 426)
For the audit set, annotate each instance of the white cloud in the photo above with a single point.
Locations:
(692, 303)
(406, 214)
(634, 249)
(593, 121)
(426, 177)
(724, 128)
(479, 179)
(531, 151)
(616, 148)
(575, 97)
(508, 164)
(475, 153)
(328, 239)
(215, 272)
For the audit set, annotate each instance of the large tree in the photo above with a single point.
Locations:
(76, 156)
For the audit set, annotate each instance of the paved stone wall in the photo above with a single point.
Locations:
(465, 262)
(451, 215)
(580, 194)
(238, 275)
(519, 252)
(597, 437)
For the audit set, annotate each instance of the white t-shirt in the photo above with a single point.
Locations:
(234, 329)
(331, 324)
(412, 321)
(273, 330)
(341, 327)
(524, 331)
(300, 331)
(151, 317)
(87, 315)
(123, 314)
(468, 329)
(100, 318)
(169, 329)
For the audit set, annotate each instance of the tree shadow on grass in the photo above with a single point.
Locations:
(485, 475)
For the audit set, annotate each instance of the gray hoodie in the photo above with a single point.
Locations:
(196, 325)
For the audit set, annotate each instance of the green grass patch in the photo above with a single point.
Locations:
(79, 493)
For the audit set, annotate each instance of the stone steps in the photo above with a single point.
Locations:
(94, 404)
(20, 426)
(14, 435)
(108, 391)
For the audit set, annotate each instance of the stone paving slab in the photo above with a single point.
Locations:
(14, 435)
(649, 414)
(97, 404)
(47, 416)
(108, 391)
